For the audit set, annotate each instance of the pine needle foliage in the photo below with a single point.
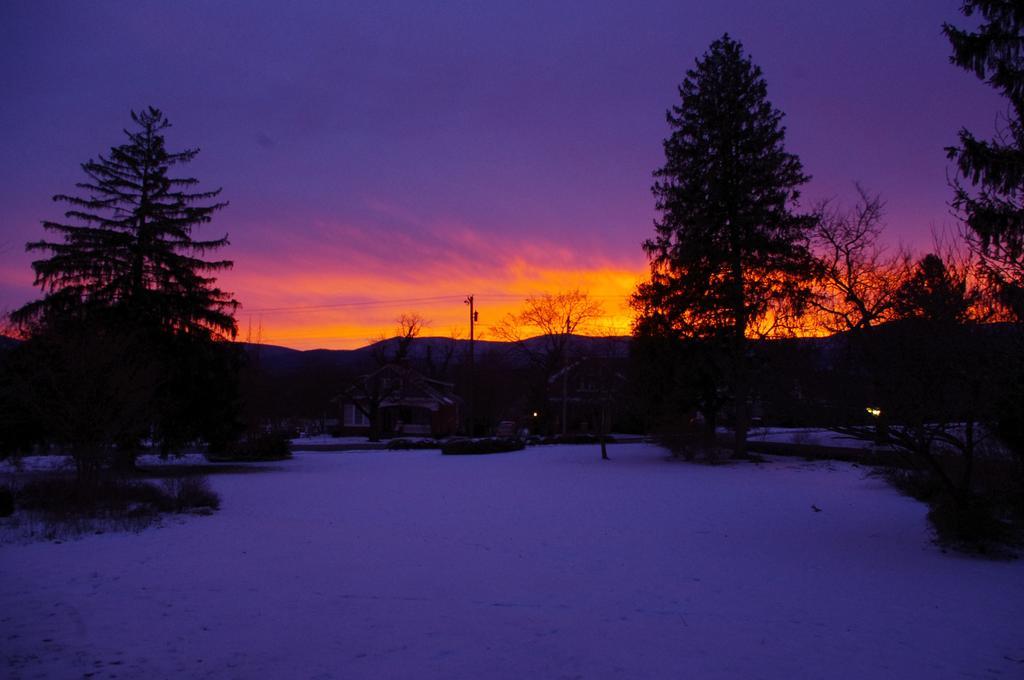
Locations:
(993, 205)
(127, 243)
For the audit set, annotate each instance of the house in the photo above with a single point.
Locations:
(587, 392)
(402, 401)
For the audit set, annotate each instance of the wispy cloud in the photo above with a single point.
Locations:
(340, 285)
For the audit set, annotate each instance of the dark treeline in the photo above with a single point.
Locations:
(301, 390)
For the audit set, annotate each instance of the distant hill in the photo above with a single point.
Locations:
(283, 360)
(280, 360)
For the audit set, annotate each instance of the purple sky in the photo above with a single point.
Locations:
(379, 151)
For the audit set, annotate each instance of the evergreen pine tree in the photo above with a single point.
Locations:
(128, 245)
(729, 258)
(128, 268)
(994, 211)
(937, 293)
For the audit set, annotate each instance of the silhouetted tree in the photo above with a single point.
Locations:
(408, 327)
(19, 429)
(994, 211)
(88, 384)
(856, 280)
(128, 242)
(543, 330)
(729, 258)
(935, 292)
(368, 393)
(127, 264)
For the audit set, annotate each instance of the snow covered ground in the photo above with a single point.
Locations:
(804, 435)
(546, 563)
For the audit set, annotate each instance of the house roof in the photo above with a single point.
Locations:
(398, 385)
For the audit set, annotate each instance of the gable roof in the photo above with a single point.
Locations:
(397, 384)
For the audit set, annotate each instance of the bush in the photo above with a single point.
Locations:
(189, 493)
(254, 447)
(402, 444)
(974, 526)
(689, 442)
(985, 522)
(462, 447)
(580, 438)
(60, 497)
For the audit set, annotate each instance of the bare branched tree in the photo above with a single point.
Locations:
(369, 392)
(408, 327)
(551, 319)
(543, 329)
(857, 278)
(965, 265)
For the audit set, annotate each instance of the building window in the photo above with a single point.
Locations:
(354, 417)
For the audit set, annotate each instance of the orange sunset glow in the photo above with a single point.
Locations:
(320, 305)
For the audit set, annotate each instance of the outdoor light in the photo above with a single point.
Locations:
(872, 411)
(534, 414)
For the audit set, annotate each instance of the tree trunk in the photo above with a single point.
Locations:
(740, 392)
(965, 481)
(374, 418)
(709, 437)
(603, 433)
(123, 460)
(565, 401)
(741, 383)
(87, 465)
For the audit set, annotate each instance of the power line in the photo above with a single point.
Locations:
(403, 301)
(367, 303)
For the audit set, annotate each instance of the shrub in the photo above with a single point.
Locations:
(579, 438)
(689, 442)
(190, 493)
(974, 525)
(254, 447)
(984, 522)
(62, 497)
(409, 444)
(461, 447)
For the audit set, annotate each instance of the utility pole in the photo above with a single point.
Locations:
(565, 378)
(473, 315)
